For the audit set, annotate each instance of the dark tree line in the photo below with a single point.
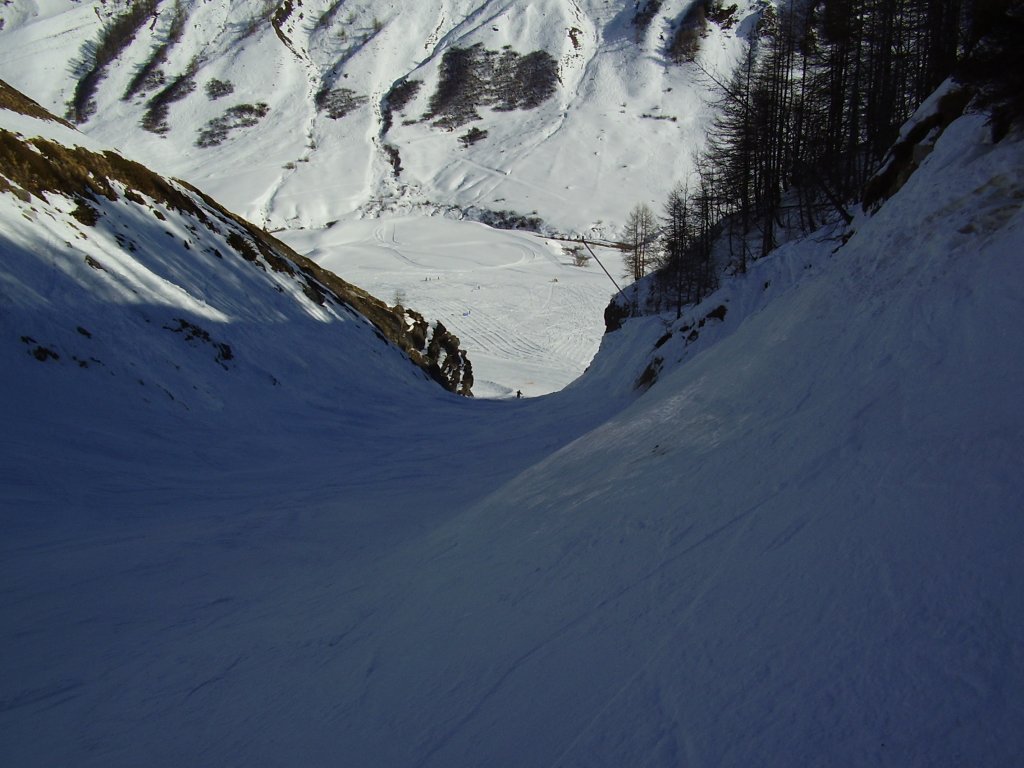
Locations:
(687, 271)
(994, 70)
(818, 101)
(678, 245)
(116, 35)
(149, 75)
(811, 111)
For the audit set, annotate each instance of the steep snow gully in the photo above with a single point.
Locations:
(800, 546)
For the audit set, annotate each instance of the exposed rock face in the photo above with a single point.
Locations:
(915, 145)
(447, 362)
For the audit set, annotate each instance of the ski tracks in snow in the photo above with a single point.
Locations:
(490, 331)
(679, 619)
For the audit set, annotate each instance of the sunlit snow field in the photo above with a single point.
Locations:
(529, 319)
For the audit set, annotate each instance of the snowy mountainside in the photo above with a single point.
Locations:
(528, 317)
(310, 111)
(828, 477)
(125, 279)
(306, 117)
(798, 544)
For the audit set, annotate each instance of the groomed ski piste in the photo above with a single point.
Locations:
(800, 545)
(530, 318)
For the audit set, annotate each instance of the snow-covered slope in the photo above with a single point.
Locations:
(307, 117)
(311, 124)
(800, 545)
(529, 318)
(126, 282)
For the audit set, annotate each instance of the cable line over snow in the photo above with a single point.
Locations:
(605, 270)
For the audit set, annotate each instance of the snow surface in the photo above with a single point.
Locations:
(580, 160)
(529, 319)
(801, 545)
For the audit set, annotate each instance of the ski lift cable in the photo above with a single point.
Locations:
(605, 270)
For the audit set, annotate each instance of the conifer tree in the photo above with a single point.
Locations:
(640, 236)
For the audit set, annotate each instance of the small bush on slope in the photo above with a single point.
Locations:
(216, 89)
(401, 93)
(338, 102)
(155, 119)
(217, 130)
(686, 40)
